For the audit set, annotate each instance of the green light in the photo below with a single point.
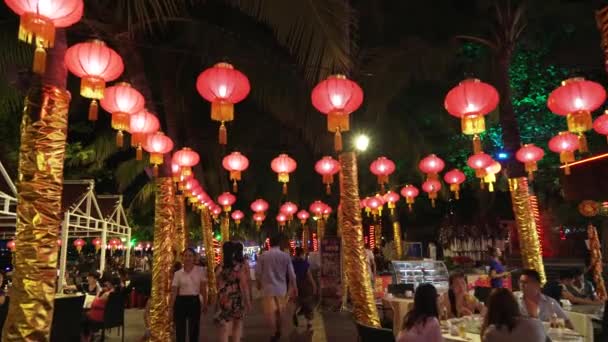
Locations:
(218, 237)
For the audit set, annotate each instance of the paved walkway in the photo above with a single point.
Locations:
(327, 326)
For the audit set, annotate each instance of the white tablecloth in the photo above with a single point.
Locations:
(582, 317)
(400, 307)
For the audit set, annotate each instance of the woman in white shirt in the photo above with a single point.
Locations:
(189, 285)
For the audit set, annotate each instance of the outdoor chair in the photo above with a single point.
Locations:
(371, 334)
(482, 293)
(67, 314)
(3, 313)
(113, 316)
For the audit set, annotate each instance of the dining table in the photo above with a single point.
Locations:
(400, 307)
(583, 317)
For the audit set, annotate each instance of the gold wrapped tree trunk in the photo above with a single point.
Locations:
(39, 215)
(357, 273)
(164, 233)
(225, 228)
(207, 227)
(526, 226)
(180, 226)
(320, 229)
(305, 237)
(343, 279)
(596, 262)
(397, 238)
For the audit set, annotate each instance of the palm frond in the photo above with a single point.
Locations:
(143, 196)
(128, 171)
(317, 32)
(103, 147)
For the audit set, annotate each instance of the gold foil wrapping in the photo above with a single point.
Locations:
(343, 279)
(357, 273)
(305, 237)
(397, 239)
(207, 228)
(225, 228)
(180, 226)
(164, 234)
(596, 262)
(526, 226)
(320, 229)
(601, 19)
(39, 215)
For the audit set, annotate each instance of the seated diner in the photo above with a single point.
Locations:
(457, 302)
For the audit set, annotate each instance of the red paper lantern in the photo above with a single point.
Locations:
(303, 216)
(39, 20)
(317, 208)
(491, 172)
(326, 211)
(455, 177)
(283, 165)
(223, 86)
(281, 219)
(157, 145)
(226, 200)
(391, 198)
(529, 154)
(11, 245)
(79, 243)
(215, 211)
(600, 125)
(122, 101)
(470, 101)
(235, 163)
(479, 162)
(382, 168)
(374, 205)
(259, 206)
(410, 193)
(431, 187)
(259, 218)
(95, 64)
(186, 158)
(114, 243)
(327, 167)
(337, 97)
(431, 165)
(97, 244)
(289, 209)
(237, 216)
(575, 99)
(565, 143)
(140, 125)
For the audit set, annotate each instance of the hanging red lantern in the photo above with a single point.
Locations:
(289, 209)
(259, 218)
(374, 205)
(303, 216)
(176, 171)
(431, 165)
(235, 163)
(327, 167)
(479, 162)
(391, 198)
(157, 144)
(326, 211)
(410, 193)
(575, 99)
(223, 86)
(431, 187)
(237, 216)
(530, 154)
(95, 64)
(337, 97)
(215, 211)
(226, 200)
(317, 208)
(11, 245)
(39, 19)
(186, 158)
(114, 243)
(491, 172)
(455, 177)
(97, 244)
(281, 219)
(79, 243)
(565, 143)
(259, 206)
(122, 101)
(283, 165)
(382, 168)
(600, 125)
(470, 101)
(141, 124)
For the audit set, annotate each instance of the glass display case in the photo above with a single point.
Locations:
(421, 271)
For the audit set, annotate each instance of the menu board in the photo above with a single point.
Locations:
(330, 267)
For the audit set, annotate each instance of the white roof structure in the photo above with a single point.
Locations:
(8, 202)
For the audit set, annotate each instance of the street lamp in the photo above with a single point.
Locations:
(361, 142)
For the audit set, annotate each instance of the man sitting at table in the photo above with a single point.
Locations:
(535, 304)
(579, 290)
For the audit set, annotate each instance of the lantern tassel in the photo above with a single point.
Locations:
(235, 187)
(481, 186)
(409, 207)
(338, 141)
(567, 170)
(284, 188)
(155, 170)
(476, 144)
(433, 203)
(531, 176)
(120, 139)
(223, 134)
(491, 186)
(457, 194)
(328, 189)
(139, 153)
(582, 143)
(39, 60)
(93, 108)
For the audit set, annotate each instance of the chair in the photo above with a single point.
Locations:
(371, 334)
(3, 313)
(482, 293)
(400, 289)
(67, 314)
(113, 316)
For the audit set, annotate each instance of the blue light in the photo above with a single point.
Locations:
(502, 155)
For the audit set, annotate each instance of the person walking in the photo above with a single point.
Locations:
(188, 286)
(275, 279)
(233, 298)
(306, 289)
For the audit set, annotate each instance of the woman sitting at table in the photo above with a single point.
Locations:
(421, 324)
(92, 287)
(504, 322)
(457, 302)
(98, 307)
